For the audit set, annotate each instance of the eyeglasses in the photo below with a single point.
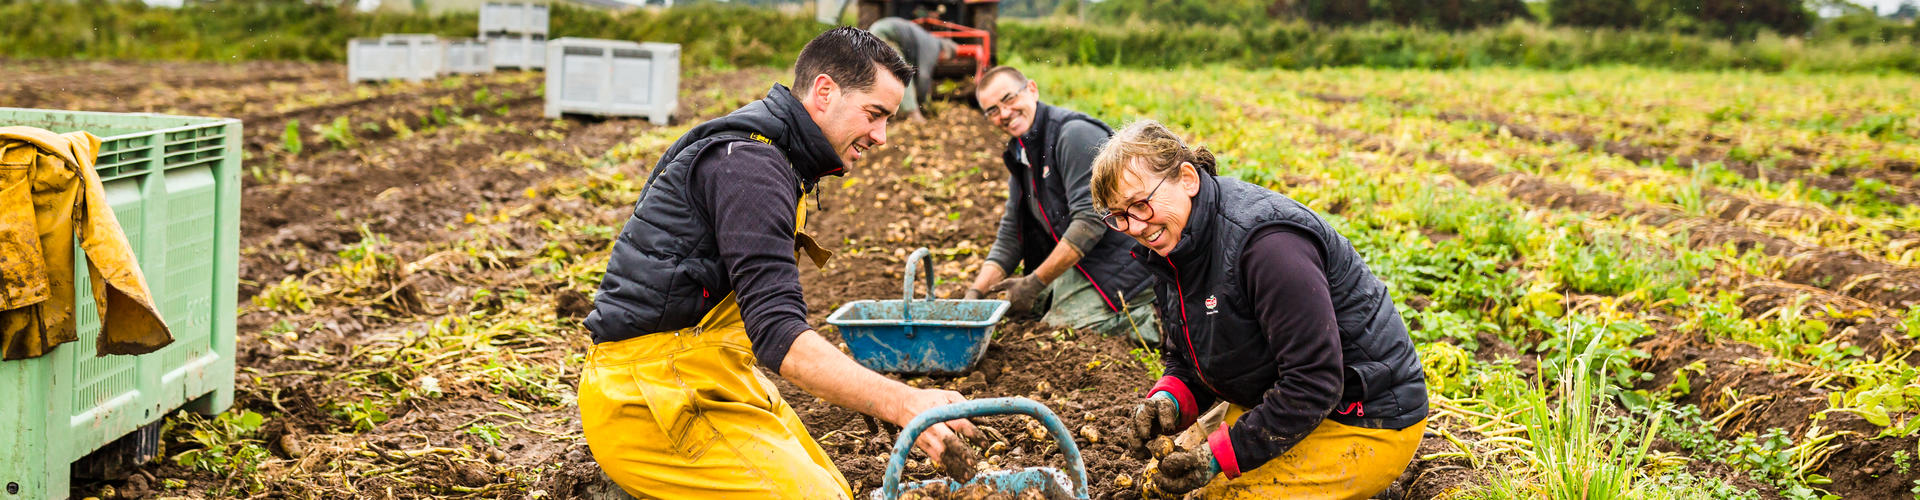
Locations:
(993, 111)
(1139, 210)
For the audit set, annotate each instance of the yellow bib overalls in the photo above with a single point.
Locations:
(684, 414)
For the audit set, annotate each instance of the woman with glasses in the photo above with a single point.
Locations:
(1266, 308)
(1077, 273)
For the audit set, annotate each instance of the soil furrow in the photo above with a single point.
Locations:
(69, 91)
(1843, 272)
(1747, 212)
(1796, 168)
(416, 189)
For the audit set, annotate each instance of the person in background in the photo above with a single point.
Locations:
(1077, 272)
(922, 50)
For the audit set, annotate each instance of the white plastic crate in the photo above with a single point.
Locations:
(467, 56)
(514, 18)
(613, 78)
(519, 52)
(394, 57)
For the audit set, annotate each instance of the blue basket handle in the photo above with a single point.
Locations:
(890, 485)
(906, 299)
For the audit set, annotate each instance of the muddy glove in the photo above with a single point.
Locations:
(1159, 414)
(1182, 472)
(1023, 294)
(971, 294)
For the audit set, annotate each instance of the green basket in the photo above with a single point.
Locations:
(174, 184)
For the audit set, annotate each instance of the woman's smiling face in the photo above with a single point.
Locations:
(1154, 209)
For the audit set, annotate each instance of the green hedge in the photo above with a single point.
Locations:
(724, 36)
(1518, 44)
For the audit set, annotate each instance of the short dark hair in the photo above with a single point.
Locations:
(847, 54)
(997, 71)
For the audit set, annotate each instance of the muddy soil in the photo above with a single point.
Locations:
(504, 175)
(408, 193)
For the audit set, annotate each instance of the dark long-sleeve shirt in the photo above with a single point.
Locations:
(1287, 280)
(1078, 144)
(1284, 274)
(749, 194)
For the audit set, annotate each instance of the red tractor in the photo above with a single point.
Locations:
(968, 23)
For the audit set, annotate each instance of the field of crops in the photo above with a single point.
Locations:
(1727, 258)
(1633, 283)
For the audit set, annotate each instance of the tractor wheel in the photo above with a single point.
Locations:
(870, 11)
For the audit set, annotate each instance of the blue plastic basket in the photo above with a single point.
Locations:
(1051, 483)
(909, 335)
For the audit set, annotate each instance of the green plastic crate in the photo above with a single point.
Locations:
(174, 184)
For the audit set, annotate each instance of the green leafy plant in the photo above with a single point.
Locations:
(490, 433)
(339, 133)
(361, 415)
(1576, 454)
(289, 295)
(225, 445)
(291, 138)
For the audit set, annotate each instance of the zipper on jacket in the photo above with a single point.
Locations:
(1191, 352)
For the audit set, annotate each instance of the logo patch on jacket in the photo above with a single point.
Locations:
(1212, 301)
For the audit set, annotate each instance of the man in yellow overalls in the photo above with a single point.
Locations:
(703, 284)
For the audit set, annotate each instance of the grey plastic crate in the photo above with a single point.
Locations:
(514, 18)
(518, 52)
(395, 57)
(613, 78)
(467, 56)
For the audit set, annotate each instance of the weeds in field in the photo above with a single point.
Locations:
(226, 445)
(1910, 322)
(361, 415)
(1771, 457)
(1446, 367)
(291, 138)
(1603, 341)
(363, 263)
(400, 129)
(1884, 393)
(339, 133)
(1613, 265)
(488, 432)
(1147, 355)
(290, 295)
(1577, 452)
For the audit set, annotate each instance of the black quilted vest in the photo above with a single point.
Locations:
(665, 272)
(1207, 319)
(1108, 266)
